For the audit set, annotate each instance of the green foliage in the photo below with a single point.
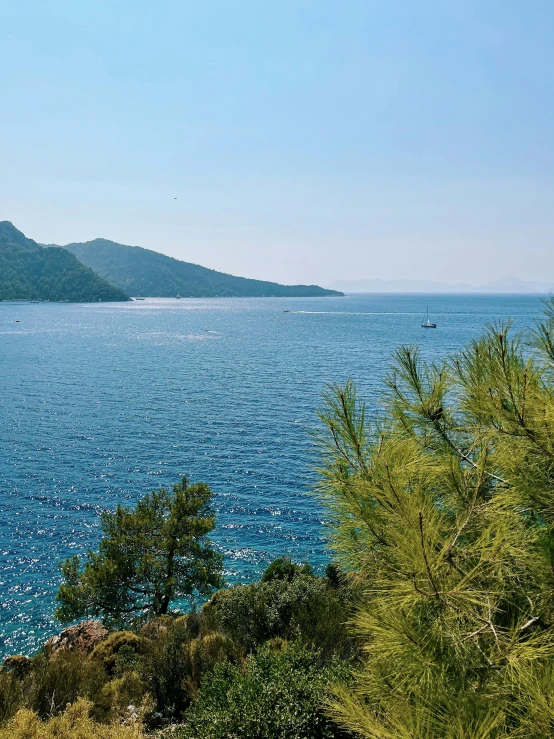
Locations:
(444, 514)
(149, 556)
(203, 654)
(61, 680)
(165, 666)
(304, 608)
(12, 694)
(143, 272)
(126, 659)
(31, 272)
(334, 576)
(161, 670)
(19, 664)
(113, 701)
(108, 650)
(273, 695)
(284, 569)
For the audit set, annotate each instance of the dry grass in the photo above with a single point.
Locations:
(74, 723)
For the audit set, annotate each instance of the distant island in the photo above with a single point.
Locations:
(512, 285)
(148, 273)
(29, 271)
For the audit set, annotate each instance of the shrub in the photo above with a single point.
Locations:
(284, 569)
(152, 629)
(120, 695)
(165, 668)
(18, 664)
(63, 679)
(203, 654)
(11, 695)
(126, 659)
(271, 696)
(304, 608)
(74, 723)
(106, 652)
(239, 612)
(335, 578)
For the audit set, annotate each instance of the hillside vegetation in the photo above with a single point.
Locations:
(29, 271)
(254, 663)
(147, 273)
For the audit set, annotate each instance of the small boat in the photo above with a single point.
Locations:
(177, 297)
(286, 311)
(428, 323)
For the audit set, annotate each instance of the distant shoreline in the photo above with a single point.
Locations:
(452, 292)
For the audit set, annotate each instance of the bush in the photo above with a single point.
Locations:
(151, 630)
(18, 664)
(304, 608)
(165, 667)
(122, 696)
(203, 654)
(106, 652)
(11, 695)
(284, 569)
(63, 679)
(273, 695)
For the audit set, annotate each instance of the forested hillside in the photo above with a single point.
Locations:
(29, 271)
(148, 273)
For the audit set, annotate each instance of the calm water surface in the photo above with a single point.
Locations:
(101, 403)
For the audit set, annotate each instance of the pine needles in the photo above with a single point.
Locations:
(444, 513)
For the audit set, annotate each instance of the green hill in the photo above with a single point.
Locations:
(29, 271)
(148, 273)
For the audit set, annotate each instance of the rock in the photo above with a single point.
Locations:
(82, 637)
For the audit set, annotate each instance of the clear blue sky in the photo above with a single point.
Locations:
(305, 141)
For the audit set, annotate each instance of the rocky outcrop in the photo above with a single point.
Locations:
(82, 637)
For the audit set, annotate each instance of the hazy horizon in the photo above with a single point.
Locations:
(297, 143)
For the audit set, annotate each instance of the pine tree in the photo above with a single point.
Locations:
(148, 557)
(443, 511)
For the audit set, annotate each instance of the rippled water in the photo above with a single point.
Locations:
(101, 403)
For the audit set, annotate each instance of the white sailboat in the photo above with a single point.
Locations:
(427, 323)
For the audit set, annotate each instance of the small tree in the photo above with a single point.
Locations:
(149, 556)
(443, 512)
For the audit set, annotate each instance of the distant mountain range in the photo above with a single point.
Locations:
(29, 271)
(102, 270)
(505, 285)
(142, 272)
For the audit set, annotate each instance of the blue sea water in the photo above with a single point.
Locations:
(102, 403)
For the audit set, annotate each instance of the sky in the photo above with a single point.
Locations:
(292, 140)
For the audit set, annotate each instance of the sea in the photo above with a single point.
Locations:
(101, 403)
